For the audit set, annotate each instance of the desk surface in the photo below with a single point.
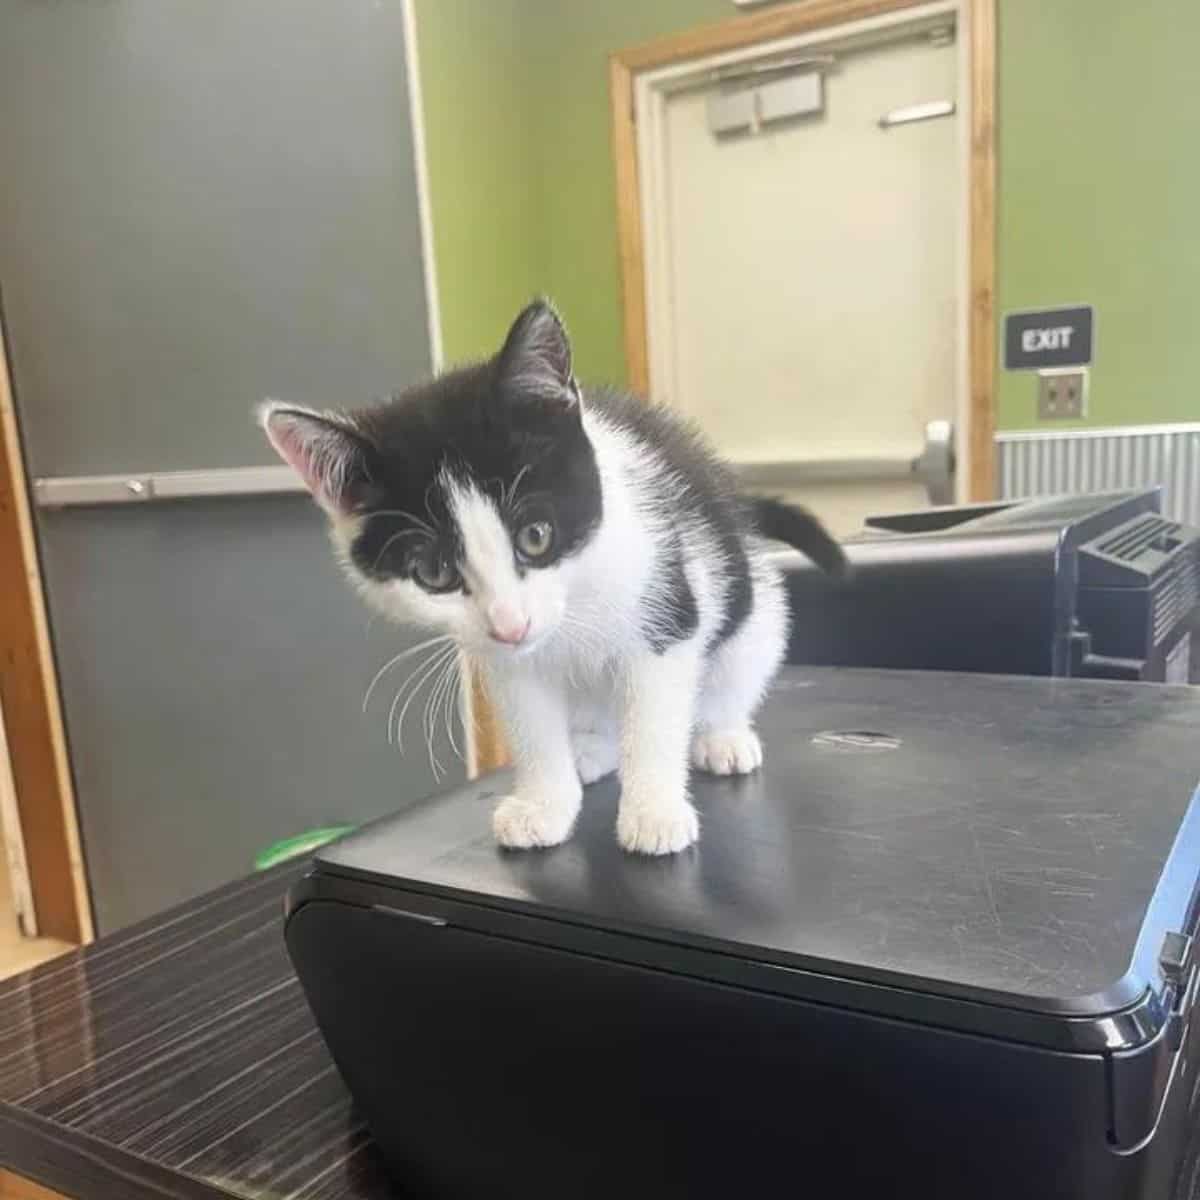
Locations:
(178, 1059)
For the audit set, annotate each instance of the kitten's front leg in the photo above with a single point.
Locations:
(655, 815)
(545, 803)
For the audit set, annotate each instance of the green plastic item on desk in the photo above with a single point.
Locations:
(299, 844)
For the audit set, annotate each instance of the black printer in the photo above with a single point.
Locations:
(1097, 586)
(940, 946)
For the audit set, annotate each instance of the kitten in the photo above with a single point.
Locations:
(590, 554)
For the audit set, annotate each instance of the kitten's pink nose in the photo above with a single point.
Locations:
(507, 626)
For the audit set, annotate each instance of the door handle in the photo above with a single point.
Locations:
(917, 112)
(934, 466)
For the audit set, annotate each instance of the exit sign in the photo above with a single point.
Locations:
(1049, 337)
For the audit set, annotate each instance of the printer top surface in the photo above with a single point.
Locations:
(1021, 841)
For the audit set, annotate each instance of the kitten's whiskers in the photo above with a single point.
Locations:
(430, 716)
(429, 669)
(391, 662)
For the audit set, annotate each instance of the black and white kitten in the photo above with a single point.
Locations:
(591, 554)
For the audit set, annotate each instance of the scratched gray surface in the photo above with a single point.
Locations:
(1010, 843)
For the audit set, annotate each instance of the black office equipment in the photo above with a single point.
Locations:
(1093, 586)
(940, 946)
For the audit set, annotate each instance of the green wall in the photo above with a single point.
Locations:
(478, 72)
(1099, 194)
(1099, 178)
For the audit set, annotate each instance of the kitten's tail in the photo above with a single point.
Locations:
(798, 528)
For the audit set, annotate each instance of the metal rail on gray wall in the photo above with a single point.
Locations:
(89, 490)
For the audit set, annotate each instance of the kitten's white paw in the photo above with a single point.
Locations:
(658, 830)
(595, 755)
(521, 824)
(727, 751)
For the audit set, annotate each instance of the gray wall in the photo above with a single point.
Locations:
(206, 202)
(215, 664)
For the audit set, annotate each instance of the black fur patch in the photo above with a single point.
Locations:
(525, 448)
(702, 489)
(678, 620)
(739, 596)
(797, 527)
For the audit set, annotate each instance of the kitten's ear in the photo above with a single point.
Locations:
(328, 454)
(536, 358)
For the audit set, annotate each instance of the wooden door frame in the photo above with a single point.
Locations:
(29, 697)
(773, 24)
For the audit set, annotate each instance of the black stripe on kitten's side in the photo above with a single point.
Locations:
(702, 487)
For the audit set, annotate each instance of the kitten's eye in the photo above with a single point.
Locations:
(435, 574)
(535, 539)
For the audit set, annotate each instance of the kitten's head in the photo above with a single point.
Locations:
(461, 505)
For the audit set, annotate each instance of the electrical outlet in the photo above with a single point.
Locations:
(1062, 394)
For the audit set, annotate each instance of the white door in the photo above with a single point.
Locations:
(804, 287)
